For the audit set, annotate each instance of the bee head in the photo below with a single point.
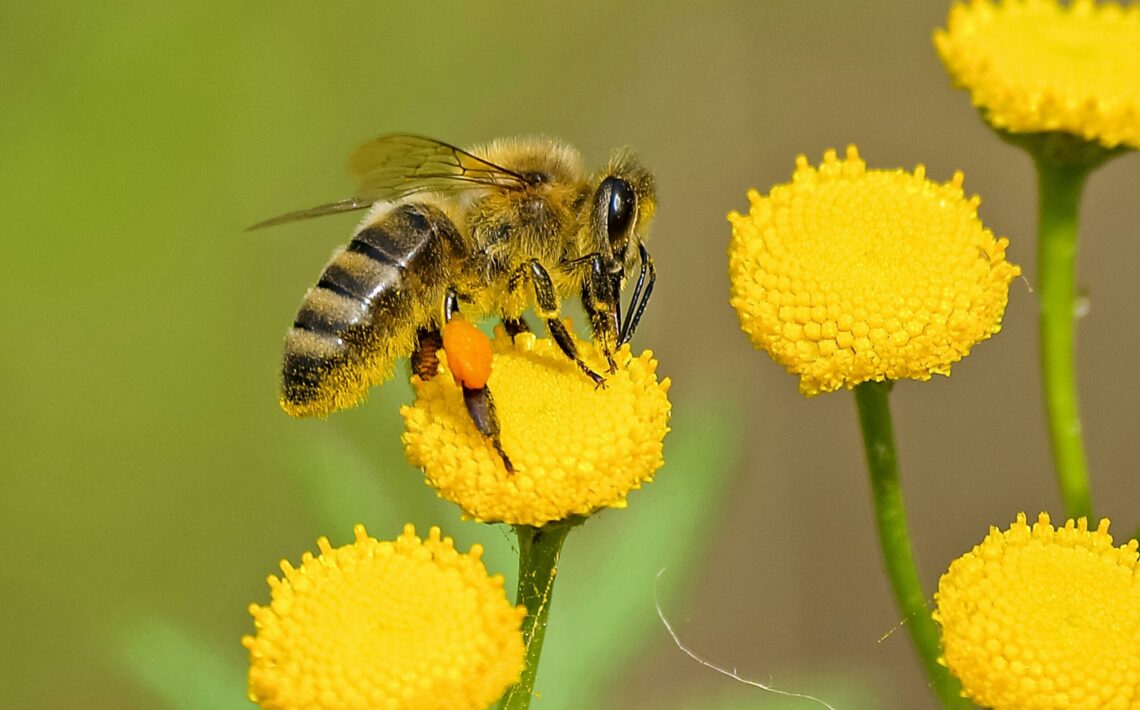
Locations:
(624, 203)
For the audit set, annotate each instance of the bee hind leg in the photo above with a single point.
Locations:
(478, 401)
(481, 408)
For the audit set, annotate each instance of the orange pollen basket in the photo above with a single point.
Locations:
(468, 353)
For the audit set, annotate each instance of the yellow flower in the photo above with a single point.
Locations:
(1038, 66)
(385, 626)
(846, 274)
(1044, 618)
(575, 447)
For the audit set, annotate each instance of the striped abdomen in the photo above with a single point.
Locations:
(364, 311)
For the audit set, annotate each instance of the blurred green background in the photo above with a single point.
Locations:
(150, 482)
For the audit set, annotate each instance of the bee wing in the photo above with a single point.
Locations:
(348, 205)
(394, 166)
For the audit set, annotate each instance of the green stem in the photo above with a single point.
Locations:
(1060, 186)
(882, 464)
(539, 549)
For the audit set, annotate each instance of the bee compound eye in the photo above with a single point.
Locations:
(621, 208)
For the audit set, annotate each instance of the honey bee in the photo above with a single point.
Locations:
(491, 230)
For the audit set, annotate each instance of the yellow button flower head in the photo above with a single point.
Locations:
(1037, 66)
(847, 274)
(575, 447)
(1037, 618)
(385, 626)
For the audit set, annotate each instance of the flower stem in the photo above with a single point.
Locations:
(1060, 185)
(882, 464)
(539, 549)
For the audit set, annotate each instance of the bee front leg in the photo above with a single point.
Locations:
(602, 303)
(547, 307)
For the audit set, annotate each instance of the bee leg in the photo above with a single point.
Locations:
(481, 408)
(514, 326)
(601, 301)
(478, 401)
(450, 304)
(547, 303)
(425, 358)
(566, 345)
(637, 307)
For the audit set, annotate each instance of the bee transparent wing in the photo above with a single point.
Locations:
(348, 205)
(394, 166)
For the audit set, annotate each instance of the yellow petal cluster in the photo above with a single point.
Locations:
(407, 624)
(575, 447)
(847, 274)
(1039, 617)
(1038, 65)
